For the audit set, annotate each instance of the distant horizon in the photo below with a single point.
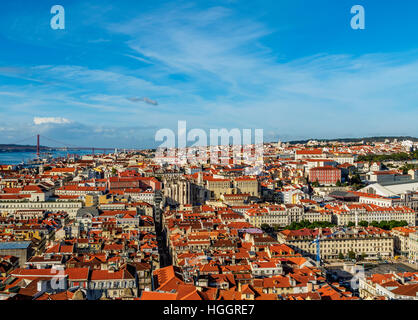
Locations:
(98, 148)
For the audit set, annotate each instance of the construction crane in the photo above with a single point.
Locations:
(318, 240)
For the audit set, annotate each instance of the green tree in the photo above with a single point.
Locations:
(351, 224)
(265, 226)
(351, 255)
(403, 223)
(384, 225)
(355, 182)
(374, 223)
(293, 226)
(363, 223)
(341, 256)
(401, 156)
(306, 224)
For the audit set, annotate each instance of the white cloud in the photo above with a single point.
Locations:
(48, 120)
(193, 41)
(138, 58)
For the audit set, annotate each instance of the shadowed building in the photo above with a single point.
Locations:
(20, 249)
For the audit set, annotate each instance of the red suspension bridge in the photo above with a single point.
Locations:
(57, 146)
(66, 146)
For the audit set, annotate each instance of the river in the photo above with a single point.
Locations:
(18, 157)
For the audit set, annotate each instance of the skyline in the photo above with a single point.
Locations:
(116, 75)
(58, 145)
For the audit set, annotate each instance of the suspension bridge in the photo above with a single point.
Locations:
(56, 146)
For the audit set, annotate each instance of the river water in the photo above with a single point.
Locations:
(18, 157)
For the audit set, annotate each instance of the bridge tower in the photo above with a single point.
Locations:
(38, 149)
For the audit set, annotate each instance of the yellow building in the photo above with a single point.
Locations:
(247, 185)
(91, 200)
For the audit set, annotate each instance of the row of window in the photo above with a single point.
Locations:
(111, 285)
(40, 205)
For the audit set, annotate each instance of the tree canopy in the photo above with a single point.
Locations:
(309, 225)
(400, 156)
(386, 225)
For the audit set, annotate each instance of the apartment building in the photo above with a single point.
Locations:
(276, 215)
(401, 235)
(217, 186)
(281, 215)
(342, 158)
(407, 199)
(295, 212)
(343, 214)
(292, 194)
(391, 286)
(325, 175)
(247, 185)
(71, 207)
(19, 249)
(413, 248)
(75, 190)
(370, 242)
(266, 269)
(309, 154)
(111, 284)
(318, 216)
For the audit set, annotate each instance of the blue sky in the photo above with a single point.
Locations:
(293, 68)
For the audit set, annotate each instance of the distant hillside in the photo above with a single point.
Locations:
(21, 148)
(354, 140)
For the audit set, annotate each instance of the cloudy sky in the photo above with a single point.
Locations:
(122, 70)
